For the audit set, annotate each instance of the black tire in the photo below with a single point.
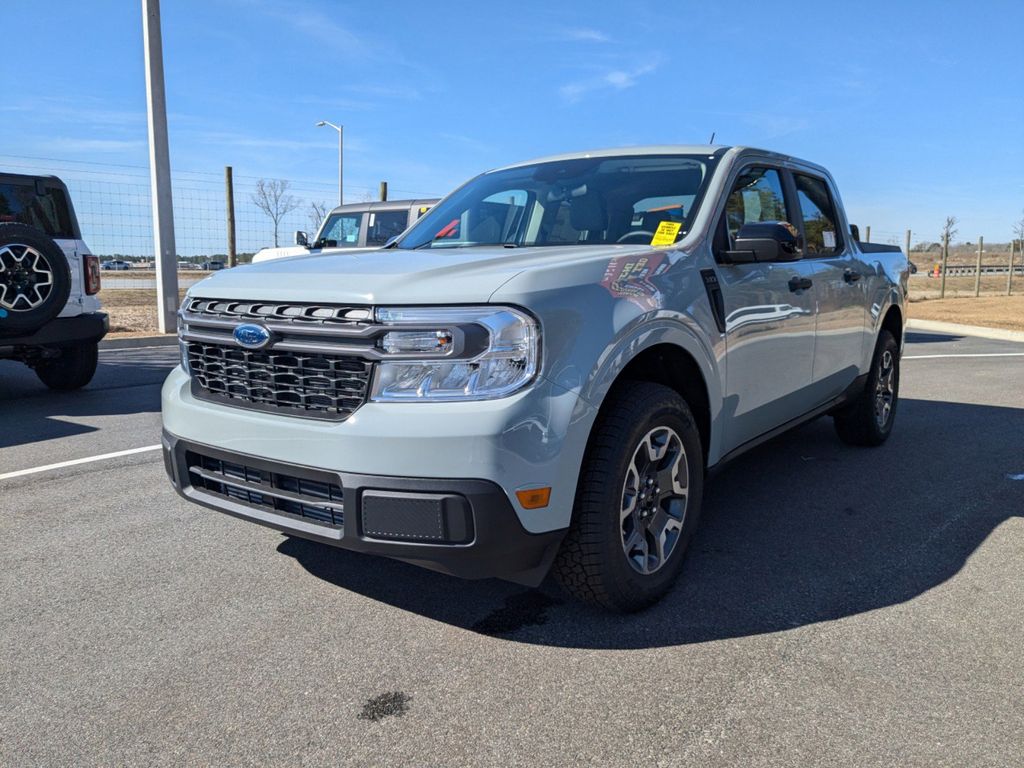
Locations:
(866, 421)
(27, 303)
(72, 370)
(592, 564)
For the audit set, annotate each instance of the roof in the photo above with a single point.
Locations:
(383, 205)
(653, 149)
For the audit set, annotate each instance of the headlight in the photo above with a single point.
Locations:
(465, 353)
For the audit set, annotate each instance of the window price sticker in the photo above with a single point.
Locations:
(667, 232)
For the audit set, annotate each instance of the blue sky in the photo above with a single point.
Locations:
(917, 108)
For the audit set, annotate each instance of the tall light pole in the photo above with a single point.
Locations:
(160, 170)
(341, 132)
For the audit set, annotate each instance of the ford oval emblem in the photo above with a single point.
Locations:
(252, 336)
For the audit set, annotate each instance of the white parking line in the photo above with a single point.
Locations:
(974, 354)
(73, 462)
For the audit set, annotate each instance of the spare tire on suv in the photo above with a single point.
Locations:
(35, 280)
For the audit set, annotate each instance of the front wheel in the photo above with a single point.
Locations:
(73, 369)
(637, 503)
(868, 420)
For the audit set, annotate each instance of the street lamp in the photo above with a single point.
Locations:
(340, 129)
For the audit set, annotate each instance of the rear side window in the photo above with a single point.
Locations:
(47, 212)
(821, 233)
(756, 197)
(384, 225)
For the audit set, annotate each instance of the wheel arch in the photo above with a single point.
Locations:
(676, 360)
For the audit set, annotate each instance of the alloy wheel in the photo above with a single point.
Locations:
(26, 277)
(654, 497)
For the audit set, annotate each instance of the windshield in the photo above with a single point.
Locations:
(590, 201)
(340, 230)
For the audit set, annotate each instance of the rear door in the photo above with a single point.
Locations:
(837, 272)
(769, 319)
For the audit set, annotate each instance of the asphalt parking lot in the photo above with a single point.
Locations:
(840, 606)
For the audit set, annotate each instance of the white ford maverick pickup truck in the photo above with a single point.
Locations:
(538, 375)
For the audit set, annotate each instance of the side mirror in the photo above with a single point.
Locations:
(855, 232)
(764, 242)
(301, 238)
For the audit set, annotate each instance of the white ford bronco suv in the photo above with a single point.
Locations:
(49, 313)
(538, 375)
(354, 228)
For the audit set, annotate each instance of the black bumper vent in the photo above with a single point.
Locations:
(314, 500)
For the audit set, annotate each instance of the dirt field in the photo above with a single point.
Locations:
(990, 311)
(132, 313)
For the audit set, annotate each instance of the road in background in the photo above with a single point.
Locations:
(843, 606)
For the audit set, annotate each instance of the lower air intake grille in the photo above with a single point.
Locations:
(308, 384)
(314, 500)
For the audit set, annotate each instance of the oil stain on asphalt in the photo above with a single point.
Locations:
(393, 703)
(526, 609)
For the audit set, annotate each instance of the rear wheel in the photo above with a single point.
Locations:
(868, 420)
(73, 369)
(638, 501)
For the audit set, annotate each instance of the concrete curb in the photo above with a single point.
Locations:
(136, 342)
(999, 334)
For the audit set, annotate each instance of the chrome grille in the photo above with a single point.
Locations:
(315, 500)
(309, 384)
(305, 314)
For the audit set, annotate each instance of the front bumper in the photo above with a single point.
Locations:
(462, 527)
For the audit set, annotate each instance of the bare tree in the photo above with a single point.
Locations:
(317, 213)
(949, 229)
(271, 197)
(1018, 231)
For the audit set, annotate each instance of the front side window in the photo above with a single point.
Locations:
(47, 212)
(341, 230)
(586, 201)
(756, 197)
(821, 233)
(384, 225)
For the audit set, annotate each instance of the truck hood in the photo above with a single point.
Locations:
(396, 276)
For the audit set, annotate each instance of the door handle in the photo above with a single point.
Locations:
(799, 283)
(850, 275)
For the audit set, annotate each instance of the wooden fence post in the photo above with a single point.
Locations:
(1009, 276)
(945, 258)
(977, 269)
(867, 234)
(229, 194)
(383, 191)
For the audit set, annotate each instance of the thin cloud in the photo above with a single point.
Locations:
(586, 35)
(611, 80)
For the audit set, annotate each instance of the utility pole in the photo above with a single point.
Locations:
(383, 191)
(907, 241)
(160, 171)
(867, 234)
(229, 193)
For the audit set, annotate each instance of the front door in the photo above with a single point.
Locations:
(769, 318)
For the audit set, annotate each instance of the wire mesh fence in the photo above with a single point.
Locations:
(113, 207)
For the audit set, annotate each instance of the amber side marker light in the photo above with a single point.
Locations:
(534, 498)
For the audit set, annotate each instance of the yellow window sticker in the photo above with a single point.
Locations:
(666, 234)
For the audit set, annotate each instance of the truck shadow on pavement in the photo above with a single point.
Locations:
(801, 530)
(123, 384)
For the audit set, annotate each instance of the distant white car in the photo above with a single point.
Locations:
(356, 227)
